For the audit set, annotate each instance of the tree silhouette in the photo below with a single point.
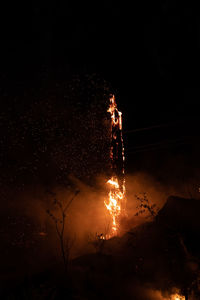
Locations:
(66, 242)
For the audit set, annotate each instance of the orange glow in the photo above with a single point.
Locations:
(177, 297)
(114, 203)
(116, 197)
(115, 183)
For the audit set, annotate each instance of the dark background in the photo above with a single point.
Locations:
(58, 59)
(148, 52)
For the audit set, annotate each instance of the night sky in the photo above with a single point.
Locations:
(147, 51)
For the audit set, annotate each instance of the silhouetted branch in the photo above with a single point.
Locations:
(65, 243)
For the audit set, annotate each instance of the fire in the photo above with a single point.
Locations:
(177, 297)
(114, 182)
(114, 203)
(116, 197)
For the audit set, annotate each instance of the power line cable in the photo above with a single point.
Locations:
(163, 142)
(153, 127)
(158, 146)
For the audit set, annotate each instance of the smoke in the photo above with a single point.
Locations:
(86, 217)
(156, 191)
(87, 214)
(144, 292)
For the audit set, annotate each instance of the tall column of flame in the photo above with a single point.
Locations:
(116, 198)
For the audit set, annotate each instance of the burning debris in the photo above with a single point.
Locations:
(177, 297)
(116, 200)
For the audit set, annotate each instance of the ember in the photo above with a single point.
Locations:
(177, 297)
(116, 198)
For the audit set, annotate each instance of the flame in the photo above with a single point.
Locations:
(177, 297)
(114, 203)
(114, 182)
(116, 197)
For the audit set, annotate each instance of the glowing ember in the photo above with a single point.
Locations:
(116, 198)
(177, 297)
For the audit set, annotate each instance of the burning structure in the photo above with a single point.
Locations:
(116, 202)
